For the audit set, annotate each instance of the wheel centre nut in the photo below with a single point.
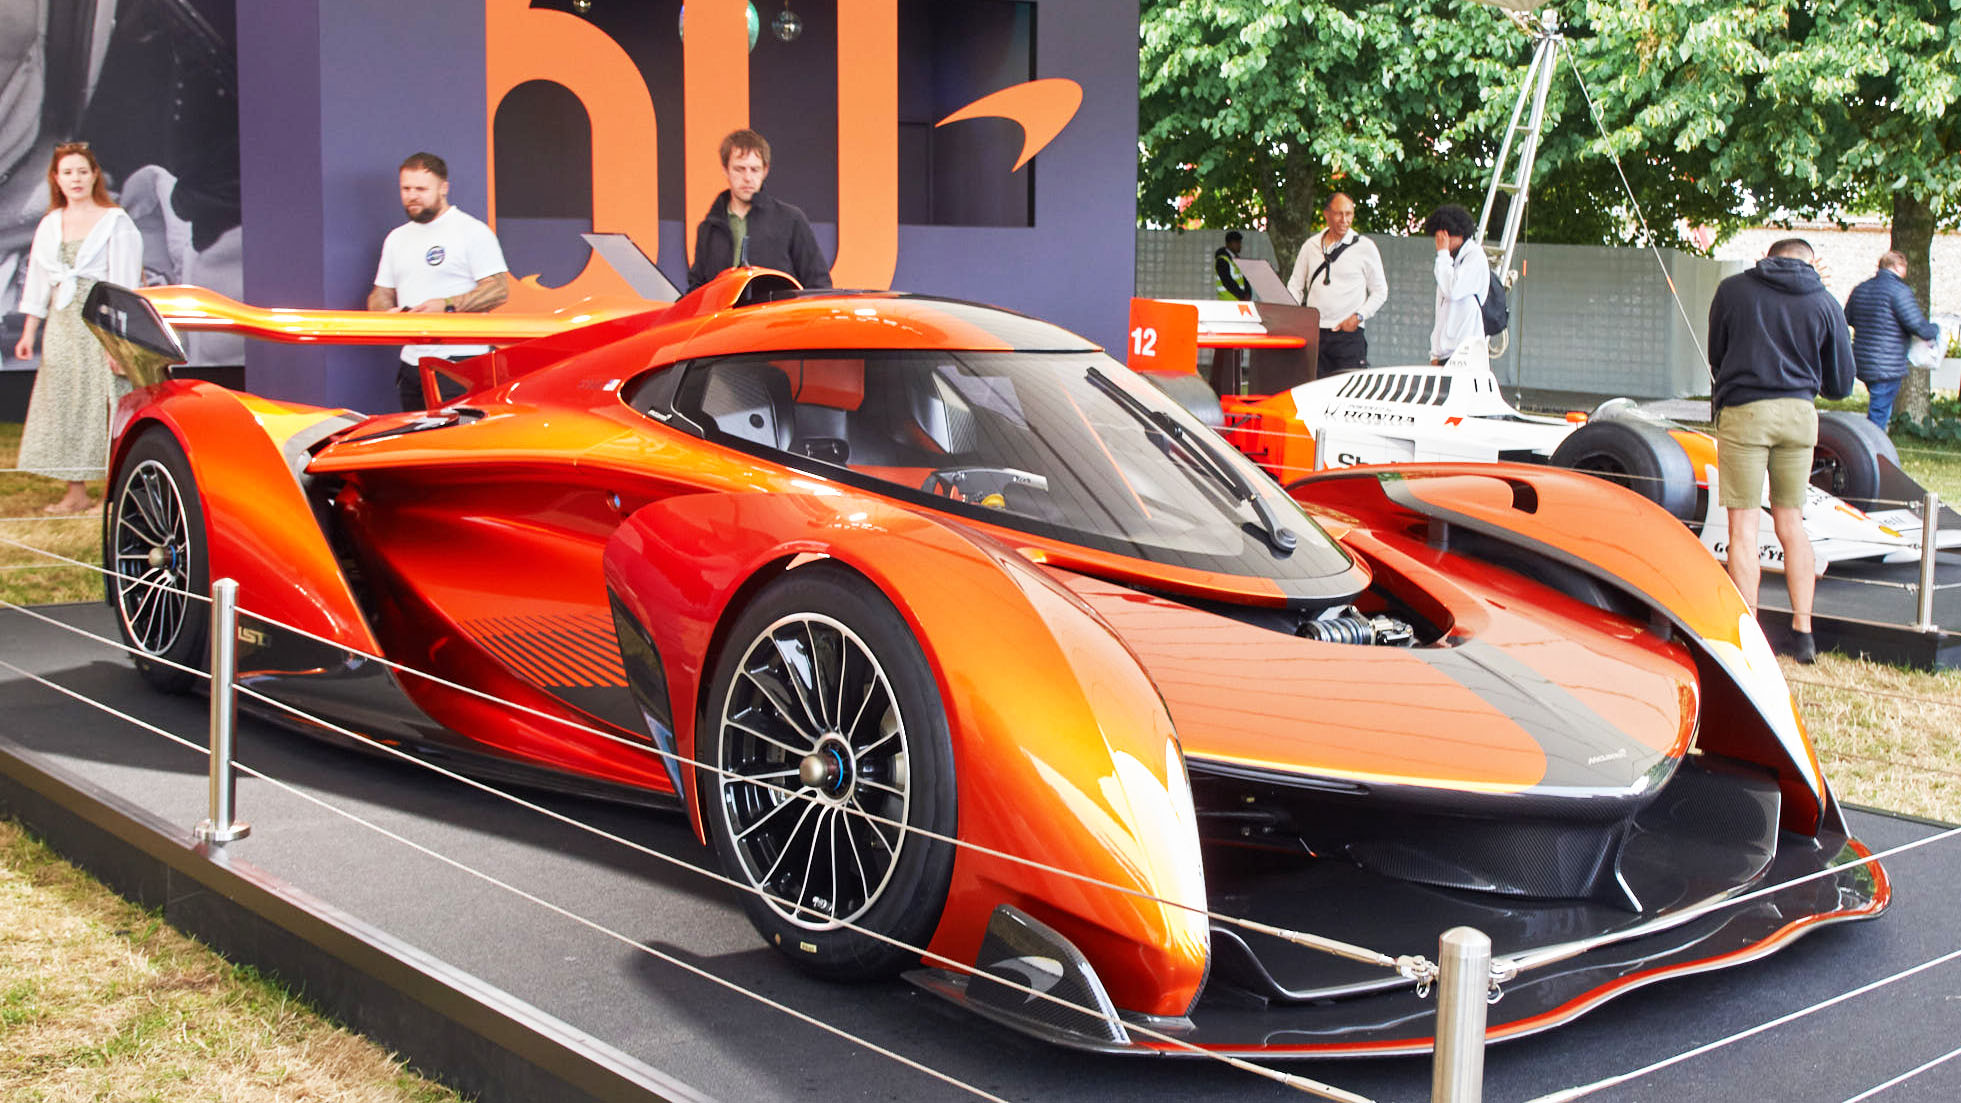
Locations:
(826, 769)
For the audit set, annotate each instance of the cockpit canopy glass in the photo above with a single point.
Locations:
(1069, 445)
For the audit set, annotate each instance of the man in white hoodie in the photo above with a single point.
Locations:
(1463, 280)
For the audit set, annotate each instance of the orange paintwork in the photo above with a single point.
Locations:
(868, 143)
(1264, 428)
(285, 570)
(199, 308)
(715, 98)
(1249, 341)
(1701, 449)
(484, 544)
(1041, 107)
(1241, 695)
(1072, 769)
(523, 44)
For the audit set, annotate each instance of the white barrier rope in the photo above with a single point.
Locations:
(1639, 215)
(134, 652)
(1402, 964)
(1286, 434)
(1905, 1076)
(1887, 693)
(521, 893)
(1412, 966)
(1598, 1085)
(1300, 1083)
(1516, 964)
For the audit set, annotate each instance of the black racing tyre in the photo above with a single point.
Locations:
(1639, 455)
(155, 547)
(824, 705)
(1846, 461)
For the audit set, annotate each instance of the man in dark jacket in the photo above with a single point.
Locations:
(745, 226)
(1777, 339)
(1883, 314)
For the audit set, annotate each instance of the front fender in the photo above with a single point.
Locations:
(259, 528)
(1064, 752)
(1622, 538)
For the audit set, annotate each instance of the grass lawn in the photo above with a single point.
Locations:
(101, 1000)
(25, 577)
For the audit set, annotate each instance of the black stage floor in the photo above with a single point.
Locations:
(630, 1013)
(1868, 608)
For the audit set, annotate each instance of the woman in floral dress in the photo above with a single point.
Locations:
(85, 237)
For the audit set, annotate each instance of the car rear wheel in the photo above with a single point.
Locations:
(156, 545)
(1639, 456)
(827, 725)
(1846, 461)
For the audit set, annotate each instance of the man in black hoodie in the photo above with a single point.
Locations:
(1777, 339)
(745, 226)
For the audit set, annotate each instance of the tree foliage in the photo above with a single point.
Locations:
(1718, 111)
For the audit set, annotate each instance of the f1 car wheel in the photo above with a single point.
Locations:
(1846, 461)
(155, 541)
(1640, 456)
(827, 724)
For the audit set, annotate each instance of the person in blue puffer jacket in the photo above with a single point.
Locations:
(1883, 314)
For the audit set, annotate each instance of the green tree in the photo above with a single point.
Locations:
(1719, 112)
(1252, 112)
(1812, 107)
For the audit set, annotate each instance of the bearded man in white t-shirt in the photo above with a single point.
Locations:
(440, 260)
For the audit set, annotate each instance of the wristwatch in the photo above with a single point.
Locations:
(449, 307)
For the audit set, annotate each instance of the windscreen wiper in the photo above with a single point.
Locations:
(1159, 424)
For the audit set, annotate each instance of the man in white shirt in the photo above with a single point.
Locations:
(1339, 273)
(1463, 280)
(440, 260)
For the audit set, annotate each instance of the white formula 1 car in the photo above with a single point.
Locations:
(1855, 510)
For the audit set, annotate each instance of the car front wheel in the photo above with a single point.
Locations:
(826, 725)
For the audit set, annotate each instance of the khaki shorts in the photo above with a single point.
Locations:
(1773, 434)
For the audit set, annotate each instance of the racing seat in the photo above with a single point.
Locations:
(751, 402)
(938, 418)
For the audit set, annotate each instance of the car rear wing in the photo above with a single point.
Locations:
(140, 327)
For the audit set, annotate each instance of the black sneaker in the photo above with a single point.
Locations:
(1803, 648)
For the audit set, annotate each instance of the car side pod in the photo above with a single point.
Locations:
(1072, 1009)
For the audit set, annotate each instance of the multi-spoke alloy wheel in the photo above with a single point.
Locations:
(155, 536)
(153, 553)
(815, 739)
(833, 754)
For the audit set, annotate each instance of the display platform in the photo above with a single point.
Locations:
(509, 999)
(1870, 609)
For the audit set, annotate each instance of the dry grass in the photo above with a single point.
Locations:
(1885, 735)
(27, 578)
(100, 1000)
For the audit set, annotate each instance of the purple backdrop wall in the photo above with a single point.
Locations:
(334, 93)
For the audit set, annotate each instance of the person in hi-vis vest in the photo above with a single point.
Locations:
(1227, 278)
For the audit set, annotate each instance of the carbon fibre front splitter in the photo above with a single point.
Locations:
(1384, 1016)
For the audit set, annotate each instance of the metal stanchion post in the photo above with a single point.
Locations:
(1463, 984)
(1930, 531)
(222, 828)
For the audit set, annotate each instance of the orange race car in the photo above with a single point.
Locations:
(974, 656)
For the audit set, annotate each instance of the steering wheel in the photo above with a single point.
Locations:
(981, 484)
